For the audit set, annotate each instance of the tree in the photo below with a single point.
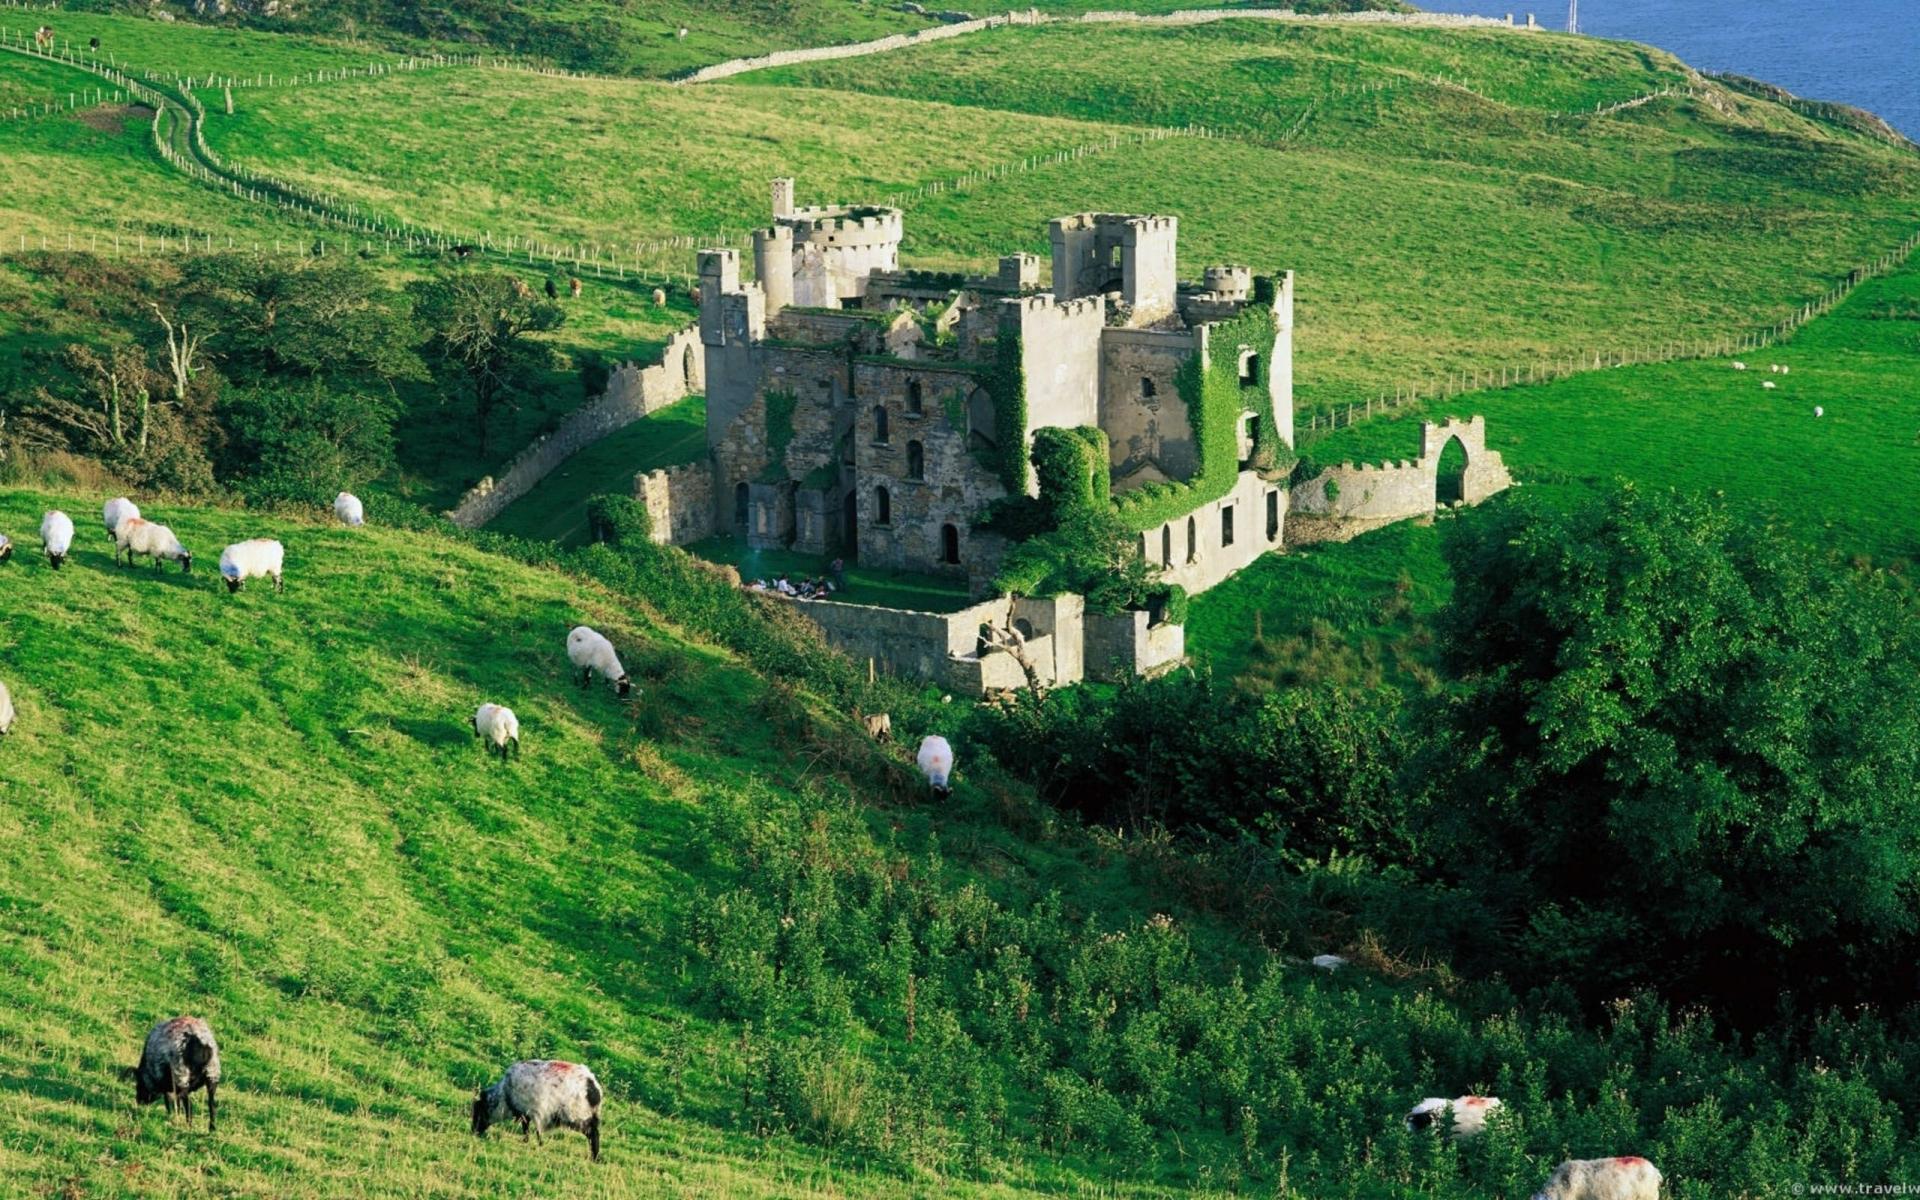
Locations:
(304, 441)
(274, 317)
(481, 329)
(1684, 751)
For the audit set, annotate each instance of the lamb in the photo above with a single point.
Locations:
(256, 558)
(117, 510)
(540, 1095)
(180, 1058)
(6, 711)
(348, 508)
(497, 728)
(936, 763)
(6, 547)
(1627, 1178)
(1469, 1114)
(56, 536)
(138, 535)
(879, 726)
(591, 651)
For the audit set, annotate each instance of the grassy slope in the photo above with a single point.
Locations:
(270, 809)
(1834, 479)
(1413, 215)
(555, 510)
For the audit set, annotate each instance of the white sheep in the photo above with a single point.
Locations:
(115, 511)
(137, 535)
(1469, 1114)
(1774, 367)
(6, 547)
(1739, 366)
(1628, 1178)
(659, 297)
(56, 536)
(255, 558)
(879, 726)
(1769, 384)
(1819, 411)
(541, 1095)
(1785, 369)
(591, 651)
(497, 728)
(1329, 962)
(935, 761)
(348, 508)
(180, 1058)
(6, 711)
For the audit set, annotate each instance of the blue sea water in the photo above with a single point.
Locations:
(1862, 52)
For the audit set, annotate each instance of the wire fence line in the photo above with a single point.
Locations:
(1560, 366)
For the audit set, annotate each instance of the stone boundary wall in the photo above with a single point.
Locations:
(1195, 16)
(1353, 498)
(679, 500)
(632, 392)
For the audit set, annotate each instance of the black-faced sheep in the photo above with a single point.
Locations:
(6, 547)
(591, 651)
(1469, 1114)
(56, 536)
(180, 1058)
(1627, 1178)
(137, 535)
(255, 558)
(116, 511)
(541, 1095)
(497, 728)
(348, 508)
(935, 761)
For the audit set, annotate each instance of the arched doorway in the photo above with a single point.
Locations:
(850, 525)
(950, 544)
(1451, 484)
(741, 501)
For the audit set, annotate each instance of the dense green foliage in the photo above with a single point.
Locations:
(482, 336)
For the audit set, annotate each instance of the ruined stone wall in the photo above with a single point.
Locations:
(1150, 436)
(632, 392)
(919, 645)
(952, 485)
(1119, 645)
(679, 500)
(1193, 550)
(1350, 499)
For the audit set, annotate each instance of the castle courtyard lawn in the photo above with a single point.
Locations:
(556, 509)
(882, 589)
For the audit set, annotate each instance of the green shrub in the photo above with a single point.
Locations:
(619, 520)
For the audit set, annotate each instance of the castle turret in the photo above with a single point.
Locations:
(773, 265)
(719, 275)
(782, 199)
(1098, 253)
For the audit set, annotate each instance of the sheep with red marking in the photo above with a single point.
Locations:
(1625, 1178)
(137, 535)
(935, 761)
(589, 650)
(542, 1095)
(180, 1058)
(1469, 1114)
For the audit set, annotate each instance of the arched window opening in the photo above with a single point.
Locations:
(1147, 390)
(880, 424)
(1273, 516)
(1166, 545)
(1249, 368)
(981, 430)
(916, 461)
(915, 397)
(950, 545)
(882, 507)
(1226, 525)
(1193, 541)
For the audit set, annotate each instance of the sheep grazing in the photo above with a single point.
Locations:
(659, 297)
(180, 1058)
(591, 651)
(255, 558)
(6, 711)
(935, 761)
(348, 508)
(116, 511)
(56, 536)
(1469, 1114)
(1739, 366)
(1818, 411)
(1328, 962)
(497, 728)
(137, 535)
(1785, 369)
(1769, 384)
(1628, 1178)
(879, 726)
(541, 1095)
(6, 547)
